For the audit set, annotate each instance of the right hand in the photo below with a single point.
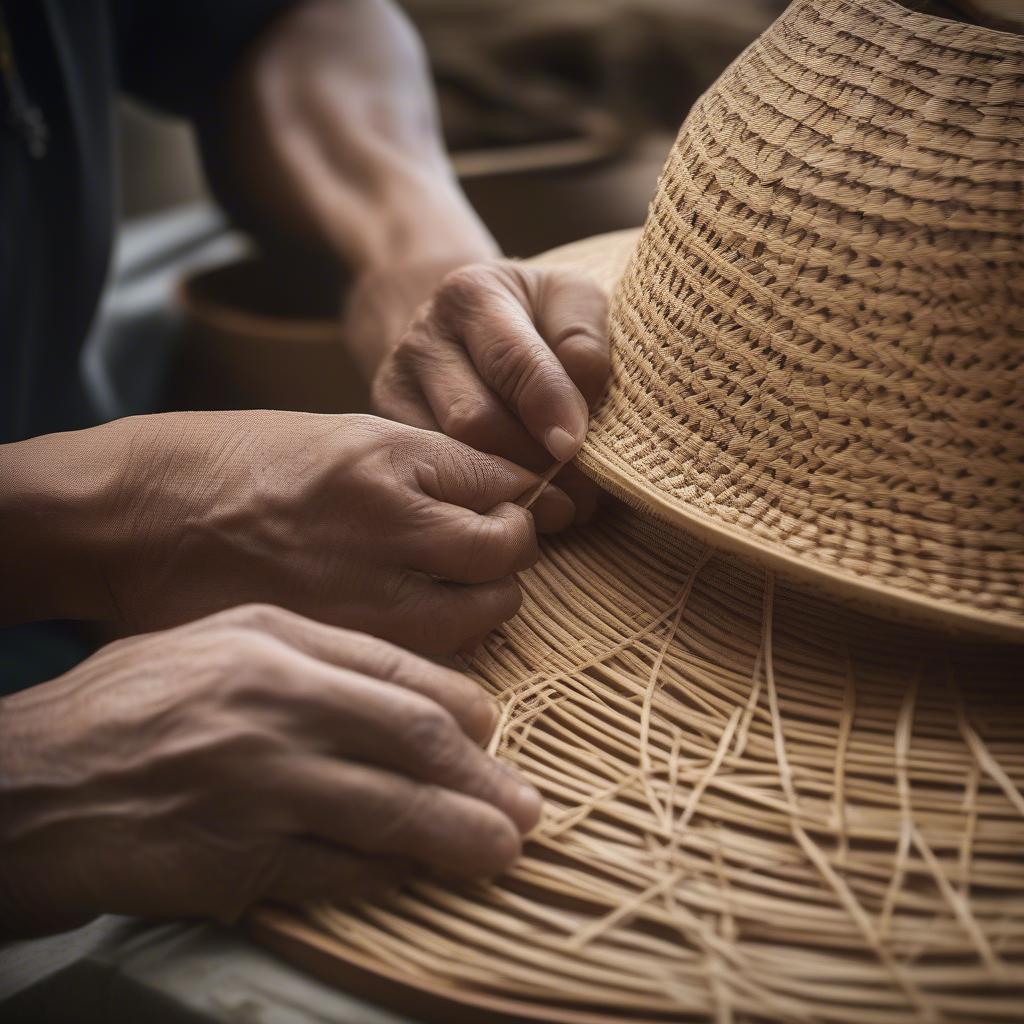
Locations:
(350, 520)
(253, 755)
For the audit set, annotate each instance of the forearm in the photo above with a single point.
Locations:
(329, 135)
(54, 535)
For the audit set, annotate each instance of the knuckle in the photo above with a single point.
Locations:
(413, 606)
(385, 660)
(383, 393)
(396, 824)
(485, 547)
(258, 617)
(434, 619)
(412, 350)
(249, 670)
(460, 290)
(476, 708)
(260, 874)
(449, 618)
(517, 523)
(585, 339)
(246, 743)
(431, 735)
(467, 419)
(502, 544)
(468, 470)
(512, 370)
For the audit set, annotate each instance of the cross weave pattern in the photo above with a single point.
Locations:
(818, 345)
(758, 806)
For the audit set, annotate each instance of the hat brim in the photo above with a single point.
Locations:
(755, 799)
(603, 258)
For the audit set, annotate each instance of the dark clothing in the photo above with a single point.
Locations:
(57, 209)
(58, 205)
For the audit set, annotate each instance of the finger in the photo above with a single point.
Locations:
(396, 396)
(583, 493)
(306, 871)
(472, 645)
(571, 313)
(469, 411)
(475, 712)
(479, 308)
(385, 726)
(438, 616)
(469, 547)
(452, 472)
(379, 813)
(553, 510)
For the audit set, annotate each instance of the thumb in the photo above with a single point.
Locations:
(455, 473)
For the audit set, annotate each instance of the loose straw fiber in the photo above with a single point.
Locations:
(758, 806)
(818, 345)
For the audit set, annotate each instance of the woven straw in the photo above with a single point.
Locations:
(818, 345)
(759, 806)
(762, 803)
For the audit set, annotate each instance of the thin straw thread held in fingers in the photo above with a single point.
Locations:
(755, 886)
(532, 496)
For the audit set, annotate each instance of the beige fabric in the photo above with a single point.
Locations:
(817, 346)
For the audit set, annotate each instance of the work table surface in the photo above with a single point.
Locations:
(121, 971)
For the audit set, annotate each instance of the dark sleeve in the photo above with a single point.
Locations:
(176, 53)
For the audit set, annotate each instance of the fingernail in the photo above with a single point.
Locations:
(495, 709)
(528, 807)
(562, 445)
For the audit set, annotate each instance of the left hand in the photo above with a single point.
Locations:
(508, 359)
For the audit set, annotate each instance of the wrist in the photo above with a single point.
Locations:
(382, 302)
(53, 530)
(69, 508)
(30, 784)
(418, 217)
(417, 237)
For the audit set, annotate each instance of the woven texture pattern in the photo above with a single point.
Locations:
(757, 806)
(818, 344)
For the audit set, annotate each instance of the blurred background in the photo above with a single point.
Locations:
(572, 104)
(558, 117)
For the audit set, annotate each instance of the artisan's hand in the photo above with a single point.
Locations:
(254, 755)
(504, 357)
(351, 520)
(328, 136)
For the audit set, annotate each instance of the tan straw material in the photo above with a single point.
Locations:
(818, 345)
(762, 802)
(759, 806)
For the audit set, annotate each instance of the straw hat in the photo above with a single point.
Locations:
(818, 356)
(763, 802)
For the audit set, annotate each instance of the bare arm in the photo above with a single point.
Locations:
(329, 136)
(54, 534)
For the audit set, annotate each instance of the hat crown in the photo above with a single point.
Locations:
(818, 343)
